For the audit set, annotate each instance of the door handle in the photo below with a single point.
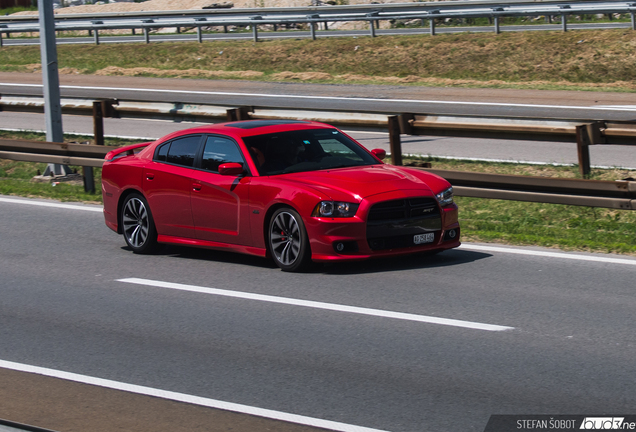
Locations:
(196, 186)
(150, 176)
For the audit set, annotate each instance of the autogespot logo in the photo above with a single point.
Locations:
(607, 423)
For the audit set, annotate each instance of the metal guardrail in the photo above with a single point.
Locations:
(608, 194)
(49, 152)
(582, 132)
(592, 193)
(443, 6)
(431, 11)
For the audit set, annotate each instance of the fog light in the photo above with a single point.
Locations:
(345, 247)
(451, 235)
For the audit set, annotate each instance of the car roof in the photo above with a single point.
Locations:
(246, 128)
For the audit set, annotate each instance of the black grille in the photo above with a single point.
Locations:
(393, 224)
(403, 209)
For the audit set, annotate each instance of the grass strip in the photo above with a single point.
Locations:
(582, 59)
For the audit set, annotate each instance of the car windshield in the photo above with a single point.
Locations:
(305, 150)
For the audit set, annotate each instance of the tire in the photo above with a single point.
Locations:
(137, 224)
(287, 240)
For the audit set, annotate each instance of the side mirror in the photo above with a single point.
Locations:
(379, 153)
(231, 169)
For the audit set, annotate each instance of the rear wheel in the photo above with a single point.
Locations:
(288, 241)
(137, 224)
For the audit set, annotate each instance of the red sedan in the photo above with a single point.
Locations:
(294, 190)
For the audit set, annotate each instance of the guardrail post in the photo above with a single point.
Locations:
(404, 120)
(255, 32)
(199, 35)
(96, 37)
(89, 179)
(101, 109)
(583, 142)
(240, 113)
(327, 24)
(98, 123)
(1, 34)
(497, 29)
(633, 21)
(394, 140)
(147, 35)
(432, 24)
(372, 28)
(564, 22)
(313, 25)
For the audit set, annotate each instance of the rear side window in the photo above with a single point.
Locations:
(181, 151)
(220, 150)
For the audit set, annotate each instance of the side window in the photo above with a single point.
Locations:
(220, 150)
(181, 151)
(162, 153)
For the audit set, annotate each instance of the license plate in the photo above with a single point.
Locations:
(423, 238)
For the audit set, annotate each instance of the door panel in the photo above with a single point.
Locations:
(167, 190)
(220, 203)
(167, 184)
(220, 208)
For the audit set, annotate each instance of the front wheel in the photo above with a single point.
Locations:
(137, 224)
(288, 241)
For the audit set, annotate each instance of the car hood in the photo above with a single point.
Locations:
(363, 182)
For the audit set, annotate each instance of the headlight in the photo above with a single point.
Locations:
(445, 198)
(335, 209)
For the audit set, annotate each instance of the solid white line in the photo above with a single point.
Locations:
(546, 254)
(467, 246)
(182, 397)
(318, 305)
(331, 98)
(51, 204)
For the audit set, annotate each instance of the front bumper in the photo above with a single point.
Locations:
(366, 235)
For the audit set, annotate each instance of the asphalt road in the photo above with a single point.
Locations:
(396, 99)
(535, 334)
(357, 98)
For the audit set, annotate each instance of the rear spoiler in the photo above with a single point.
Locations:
(124, 151)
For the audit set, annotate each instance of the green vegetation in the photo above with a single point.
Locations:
(584, 59)
(549, 225)
(14, 9)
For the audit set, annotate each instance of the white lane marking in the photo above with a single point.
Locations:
(182, 397)
(330, 98)
(51, 204)
(546, 254)
(618, 106)
(318, 305)
(468, 246)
